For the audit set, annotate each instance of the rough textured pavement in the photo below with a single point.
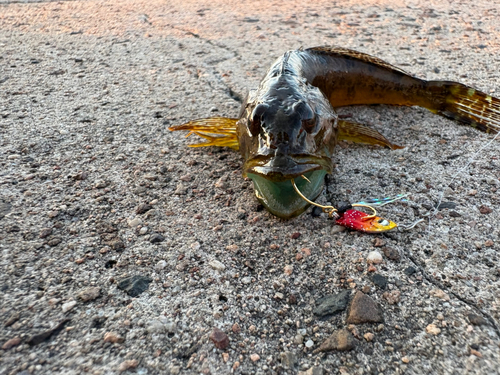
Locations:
(94, 190)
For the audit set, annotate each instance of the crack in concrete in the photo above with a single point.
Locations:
(469, 303)
(229, 91)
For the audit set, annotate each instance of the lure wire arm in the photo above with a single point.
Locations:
(367, 206)
(330, 210)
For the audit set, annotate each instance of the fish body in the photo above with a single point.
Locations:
(288, 126)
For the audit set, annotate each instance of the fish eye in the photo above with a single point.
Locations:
(255, 122)
(307, 116)
(309, 124)
(383, 222)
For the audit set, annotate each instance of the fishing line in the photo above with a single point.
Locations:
(433, 212)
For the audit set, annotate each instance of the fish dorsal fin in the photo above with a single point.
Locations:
(349, 53)
(351, 131)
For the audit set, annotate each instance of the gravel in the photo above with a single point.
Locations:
(94, 189)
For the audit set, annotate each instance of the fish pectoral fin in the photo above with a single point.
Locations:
(218, 131)
(351, 131)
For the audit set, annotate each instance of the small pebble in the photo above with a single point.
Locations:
(369, 336)
(379, 280)
(219, 338)
(180, 190)
(405, 360)
(89, 294)
(143, 230)
(133, 223)
(392, 297)
(68, 306)
(254, 357)
(433, 329)
(156, 238)
(128, 364)
(438, 293)
(309, 343)
(11, 343)
(476, 320)
(391, 254)
(236, 328)
(476, 353)
(288, 269)
(364, 309)
(342, 340)
(143, 208)
(216, 265)
(374, 257)
(45, 232)
(161, 265)
(409, 271)
(113, 337)
(485, 210)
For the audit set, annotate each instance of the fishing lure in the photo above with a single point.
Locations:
(288, 126)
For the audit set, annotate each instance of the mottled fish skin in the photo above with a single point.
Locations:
(288, 126)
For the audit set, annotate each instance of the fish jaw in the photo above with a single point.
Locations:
(281, 199)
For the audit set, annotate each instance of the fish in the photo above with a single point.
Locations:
(288, 126)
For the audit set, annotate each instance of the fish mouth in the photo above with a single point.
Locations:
(273, 187)
(284, 167)
(281, 199)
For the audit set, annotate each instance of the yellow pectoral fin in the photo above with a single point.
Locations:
(218, 131)
(351, 131)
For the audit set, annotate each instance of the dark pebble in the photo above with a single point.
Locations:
(443, 205)
(477, 320)
(331, 304)
(142, 208)
(41, 337)
(156, 238)
(316, 211)
(391, 254)
(134, 285)
(363, 309)
(116, 245)
(219, 338)
(54, 241)
(410, 271)
(295, 235)
(379, 280)
(454, 214)
(45, 232)
(292, 299)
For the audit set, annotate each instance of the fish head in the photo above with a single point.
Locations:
(287, 129)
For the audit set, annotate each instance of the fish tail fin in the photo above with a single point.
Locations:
(466, 105)
(218, 131)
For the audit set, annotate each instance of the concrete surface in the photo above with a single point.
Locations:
(87, 91)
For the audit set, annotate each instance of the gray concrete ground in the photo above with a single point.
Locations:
(95, 189)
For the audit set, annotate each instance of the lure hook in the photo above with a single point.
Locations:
(330, 210)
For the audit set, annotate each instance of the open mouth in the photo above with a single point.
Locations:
(281, 199)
